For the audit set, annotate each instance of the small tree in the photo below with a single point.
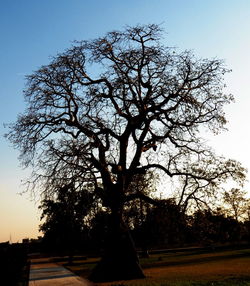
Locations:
(65, 218)
(201, 191)
(109, 109)
(238, 204)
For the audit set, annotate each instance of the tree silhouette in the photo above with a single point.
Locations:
(238, 204)
(209, 228)
(201, 191)
(64, 218)
(109, 109)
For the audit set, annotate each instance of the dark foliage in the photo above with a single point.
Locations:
(14, 265)
(152, 227)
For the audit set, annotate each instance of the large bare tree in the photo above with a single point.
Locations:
(109, 109)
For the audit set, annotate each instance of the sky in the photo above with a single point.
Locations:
(32, 31)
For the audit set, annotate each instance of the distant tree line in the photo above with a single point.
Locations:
(77, 221)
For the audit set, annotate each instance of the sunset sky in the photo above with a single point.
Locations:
(34, 30)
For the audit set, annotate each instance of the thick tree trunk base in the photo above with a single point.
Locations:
(120, 260)
(109, 270)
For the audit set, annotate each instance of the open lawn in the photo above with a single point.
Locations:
(185, 268)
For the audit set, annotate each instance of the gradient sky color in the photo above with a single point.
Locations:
(34, 30)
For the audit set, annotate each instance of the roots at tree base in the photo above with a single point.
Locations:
(120, 260)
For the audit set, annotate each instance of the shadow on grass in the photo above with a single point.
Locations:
(227, 282)
(165, 261)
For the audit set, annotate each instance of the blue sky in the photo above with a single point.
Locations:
(34, 30)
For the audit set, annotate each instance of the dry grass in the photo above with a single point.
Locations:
(212, 270)
(216, 268)
(202, 266)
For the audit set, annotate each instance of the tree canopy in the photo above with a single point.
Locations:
(107, 109)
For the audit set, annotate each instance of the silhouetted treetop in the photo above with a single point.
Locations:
(109, 109)
(107, 105)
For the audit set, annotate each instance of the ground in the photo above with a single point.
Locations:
(185, 268)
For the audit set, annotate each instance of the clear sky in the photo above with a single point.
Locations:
(33, 30)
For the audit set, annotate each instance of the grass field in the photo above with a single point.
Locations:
(189, 268)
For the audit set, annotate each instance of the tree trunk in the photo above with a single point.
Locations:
(120, 260)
